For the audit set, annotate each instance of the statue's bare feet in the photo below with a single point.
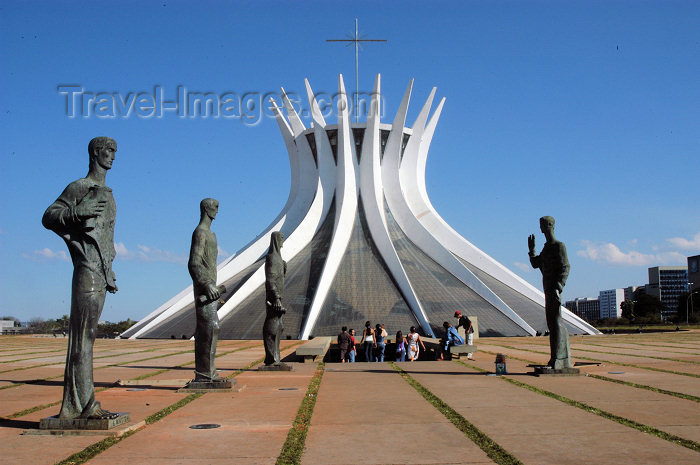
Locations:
(101, 414)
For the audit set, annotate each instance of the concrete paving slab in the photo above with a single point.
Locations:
(28, 396)
(378, 420)
(262, 413)
(254, 425)
(661, 350)
(668, 381)
(555, 433)
(650, 408)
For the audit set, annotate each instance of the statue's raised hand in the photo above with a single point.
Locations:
(531, 243)
(90, 208)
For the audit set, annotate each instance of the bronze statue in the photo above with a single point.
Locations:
(202, 267)
(83, 215)
(554, 265)
(275, 270)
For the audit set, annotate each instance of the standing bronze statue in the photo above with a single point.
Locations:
(83, 215)
(202, 267)
(275, 270)
(553, 262)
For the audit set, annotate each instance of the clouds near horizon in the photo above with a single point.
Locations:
(145, 253)
(686, 244)
(524, 267)
(607, 252)
(46, 254)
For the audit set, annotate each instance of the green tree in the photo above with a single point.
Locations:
(627, 307)
(684, 305)
(647, 305)
(647, 309)
(109, 329)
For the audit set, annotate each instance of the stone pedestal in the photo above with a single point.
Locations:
(55, 423)
(280, 367)
(222, 385)
(545, 370)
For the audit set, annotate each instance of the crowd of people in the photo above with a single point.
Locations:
(374, 341)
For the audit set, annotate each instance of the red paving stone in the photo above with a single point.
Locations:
(540, 430)
(255, 421)
(254, 424)
(382, 419)
(667, 413)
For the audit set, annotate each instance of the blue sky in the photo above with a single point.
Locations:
(586, 111)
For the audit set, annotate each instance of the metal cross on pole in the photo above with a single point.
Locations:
(356, 40)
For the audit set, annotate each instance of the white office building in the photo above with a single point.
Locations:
(610, 301)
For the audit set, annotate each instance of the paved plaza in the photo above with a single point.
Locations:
(638, 403)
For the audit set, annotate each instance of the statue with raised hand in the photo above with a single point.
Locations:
(83, 215)
(275, 270)
(553, 262)
(202, 267)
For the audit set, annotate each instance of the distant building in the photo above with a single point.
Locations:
(694, 272)
(667, 283)
(610, 301)
(632, 291)
(6, 325)
(587, 308)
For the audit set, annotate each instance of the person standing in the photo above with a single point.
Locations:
(344, 341)
(380, 335)
(352, 350)
(466, 323)
(400, 347)
(84, 216)
(414, 341)
(368, 342)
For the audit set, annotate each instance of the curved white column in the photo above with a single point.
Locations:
(372, 195)
(131, 332)
(413, 182)
(316, 212)
(396, 192)
(298, 201)
(397, 178)
(346, 209)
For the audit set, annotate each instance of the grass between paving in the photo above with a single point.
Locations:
(680, 395)
(94, 358)
(663, 346)
(62, 350)
(97, 448)
(293, 446)
(661, 370)
(91, 451)
(654, 357)
(22, 383)
(157, 372)
(36, 408)
(57, 351)
(695, 446)
(494, 451)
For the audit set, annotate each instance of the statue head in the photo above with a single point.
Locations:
(102, 150)
(209, 207)
(276, 241)
(546, 223)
